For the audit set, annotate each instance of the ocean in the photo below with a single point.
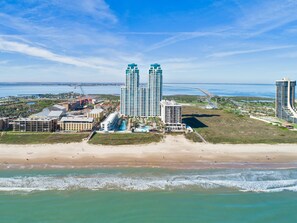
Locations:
(148, 195)
(250, 90)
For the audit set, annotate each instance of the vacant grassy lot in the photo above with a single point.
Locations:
(125, 139)
(40, 138)
(218, 126)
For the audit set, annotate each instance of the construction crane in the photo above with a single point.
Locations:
(84, 99)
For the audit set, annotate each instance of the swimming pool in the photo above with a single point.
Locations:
(123, 126)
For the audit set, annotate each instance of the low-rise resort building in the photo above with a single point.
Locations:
(97, 114)
(4, 124)
(76, 124)
(35, 125)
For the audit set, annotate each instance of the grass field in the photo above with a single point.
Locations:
(218, 126)
(193, 137)
(40, 138)
(125, 138)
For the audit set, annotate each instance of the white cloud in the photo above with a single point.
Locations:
(98, 9)
(180, 37)
(17, 47)
(240, 52)
(261, 17)
(40, 24)
(112, 63)
(19, 24)
(265, 16)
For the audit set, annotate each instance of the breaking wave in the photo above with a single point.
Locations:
(243, 180)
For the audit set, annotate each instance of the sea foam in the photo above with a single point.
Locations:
(242, 180)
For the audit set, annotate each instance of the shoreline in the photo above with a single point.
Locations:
(171, 166)
(175, 152)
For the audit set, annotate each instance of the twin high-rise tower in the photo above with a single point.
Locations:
(142, 101)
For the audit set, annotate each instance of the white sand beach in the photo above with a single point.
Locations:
(173, 152)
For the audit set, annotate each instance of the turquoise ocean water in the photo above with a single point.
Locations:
(148, 195)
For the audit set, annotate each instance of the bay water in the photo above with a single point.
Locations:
(251, 90)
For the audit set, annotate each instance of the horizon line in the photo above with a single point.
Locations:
(93, 83)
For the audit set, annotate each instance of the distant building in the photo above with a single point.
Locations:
(142, 101)
(171, 115)
(4, 124)
(35, 125)
(285, 100)
(97, 114)
(111, 122)
(76, 124)
(66, 105)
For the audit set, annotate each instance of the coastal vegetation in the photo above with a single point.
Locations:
(247, 105)
(237, 105)
(25, 108)
(187, 99)
(106, 97)
(125, 138)
(23, 138)
(193, 137)
(219, 126)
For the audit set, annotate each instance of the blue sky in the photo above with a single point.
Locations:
(194, 40)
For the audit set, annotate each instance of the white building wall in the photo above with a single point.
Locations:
(171, 112)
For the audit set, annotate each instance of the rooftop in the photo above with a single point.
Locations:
(96, 111)
(156, 66)
(77, 119)
(35, 119)
(44, 113)
(111, 117)
(285, 79)
(55, 114)
(59, 107)
(132, 66)
(54, 111)
(169, 103)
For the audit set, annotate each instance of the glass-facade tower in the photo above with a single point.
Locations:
(285, 100)
(137, 101)
(155, 90)
(130, 93)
